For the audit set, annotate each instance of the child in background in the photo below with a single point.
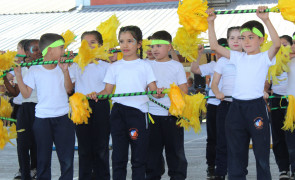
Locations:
(247, 116)
(52, 125)
(165, 133)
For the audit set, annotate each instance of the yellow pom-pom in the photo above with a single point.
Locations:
(7, 60)
(108, 30)
(5, 107)
(145, 47)
(187, 44)
(194, 104)
(289, 124)
(69, 37)
(79, 108)
(86, 55)
(192, 15)
(287, 9)
(6, 134)
(177, 101)
(119, 56)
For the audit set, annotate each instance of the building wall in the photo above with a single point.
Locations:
(109, 2)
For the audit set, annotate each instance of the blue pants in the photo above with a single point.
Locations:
(165, 133)
(93, 143)
(61, 132)
(26, 145)
(128, 126)
(248, 119)
(221, 143)
(211, 135)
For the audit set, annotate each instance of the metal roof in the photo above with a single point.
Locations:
(150, 17)
(35, 6)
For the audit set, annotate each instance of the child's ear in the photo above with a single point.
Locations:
(261, 40)
(139, 44)
(169, 47)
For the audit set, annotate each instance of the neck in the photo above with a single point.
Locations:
(165, 59)
(253, 52)
(130, 58)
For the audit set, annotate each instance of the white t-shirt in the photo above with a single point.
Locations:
(51, 92)
(91, 79)
(208, 69)
(251, 72)
(291, 78)
(281, 88)
(228, 74)
(130, 76)
(166, 73)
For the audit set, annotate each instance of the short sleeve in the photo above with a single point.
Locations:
(207, 69)
(219, 66)
(73, 72)
(150, 73)
(268, 61)
(110, 76)
(181, 76)
(29, 79)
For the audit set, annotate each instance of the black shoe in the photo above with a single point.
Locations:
(17, 176)
(284, 175)
(210, 172)
(219, 178)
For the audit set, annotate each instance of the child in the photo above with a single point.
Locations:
(247, 116)
(52, 124)
(227, 72)
(280, 149)
(129, 123)
(93, 138)
(165, 132)
(212, 103)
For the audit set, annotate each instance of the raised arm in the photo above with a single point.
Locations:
(13, 90)
(67, 80)
(212, 36)
(272, 31)
(195, 66)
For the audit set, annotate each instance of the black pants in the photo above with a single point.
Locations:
(26, 145)
(129, 126)
(61, 132)
(211, 134)
(221, 142)
(248, 119)
(165, 133)
(280, 149)
(93, 143)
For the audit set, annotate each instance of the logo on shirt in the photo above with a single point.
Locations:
(133, 132)
(258, 123)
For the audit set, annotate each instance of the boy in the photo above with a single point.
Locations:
(165, 132)
(247, 117)
(52, 125)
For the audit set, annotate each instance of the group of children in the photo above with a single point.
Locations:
(231, 122)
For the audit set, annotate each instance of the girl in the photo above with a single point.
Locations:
(228, 73)
(93, 138)
(129, 123)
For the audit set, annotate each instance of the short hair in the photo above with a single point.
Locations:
(47, 39)
(96, 34)
(162, 35)
(28, 43)
(254, 24)
(287, 38)
(222, 42)
(229, 30)
(149, 38)
(22, 43)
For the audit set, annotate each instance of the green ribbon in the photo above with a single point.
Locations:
(254, 30)
(159, 41)
(56, 43)
(293, 38)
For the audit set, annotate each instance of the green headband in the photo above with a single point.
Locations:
(293, 37)
(254, 30)
(56, 43)
(157, 41)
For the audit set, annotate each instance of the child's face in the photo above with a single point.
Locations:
(128, 44)
(284, 42)
(160, 51)
(34, 51)
(57, 52)
(234, 40)
(150, 54)
(91, 40)
(20, 51)
(251, 42)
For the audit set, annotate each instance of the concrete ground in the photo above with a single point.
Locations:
(195, 148)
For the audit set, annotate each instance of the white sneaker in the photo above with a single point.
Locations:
(292, 176)
(34, 173)
(17, 176)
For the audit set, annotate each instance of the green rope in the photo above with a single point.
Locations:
(8, 119)
(244, 11)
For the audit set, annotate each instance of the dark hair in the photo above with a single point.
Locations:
(229, 30)
(21, 44)
(149, 38)
(28, 43)
(251, 24)
(135, 32)
(162, 35)
(47, 39)
(222, 42)
(96, 34)
(287, 38)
